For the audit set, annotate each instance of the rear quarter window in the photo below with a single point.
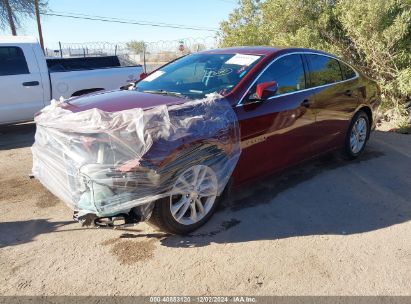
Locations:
(323, 70)
(347, 71)
(12, 61)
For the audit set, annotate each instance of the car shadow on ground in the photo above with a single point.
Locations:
(266, 211)
(21, 232)
(17, 136)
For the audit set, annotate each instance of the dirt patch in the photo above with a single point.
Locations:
(129, 252)
(256, 281)
(11, 188)
(46, 200)
(109, 242)
(17, 267)
(22, 188)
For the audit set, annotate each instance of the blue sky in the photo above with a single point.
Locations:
(199, 13)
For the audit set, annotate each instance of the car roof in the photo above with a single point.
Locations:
(254, 50)
(260, 50)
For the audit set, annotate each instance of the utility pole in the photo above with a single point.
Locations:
(144, 57)
(36, 4)
(10, 17)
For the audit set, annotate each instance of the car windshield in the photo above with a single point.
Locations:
(197, 75)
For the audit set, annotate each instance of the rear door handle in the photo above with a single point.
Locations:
(306, 103)
(30, 83)
(348, 93)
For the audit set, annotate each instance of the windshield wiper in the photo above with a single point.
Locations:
(164, 92)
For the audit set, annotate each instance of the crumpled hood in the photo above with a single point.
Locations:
(119, 100)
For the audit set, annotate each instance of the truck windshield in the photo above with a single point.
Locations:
(197, 75)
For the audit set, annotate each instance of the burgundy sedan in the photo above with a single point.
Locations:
(291, 104)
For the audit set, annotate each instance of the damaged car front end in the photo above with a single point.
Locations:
(110, 166)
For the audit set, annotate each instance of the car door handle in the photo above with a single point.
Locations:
(306, 103)
(31, 83)
(348, 93)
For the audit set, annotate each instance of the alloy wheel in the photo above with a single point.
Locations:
(358, 135)
(194, 194)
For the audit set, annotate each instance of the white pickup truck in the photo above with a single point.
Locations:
(28, 81)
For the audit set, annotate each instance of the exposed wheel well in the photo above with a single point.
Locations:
(367, 111)
(86, 91)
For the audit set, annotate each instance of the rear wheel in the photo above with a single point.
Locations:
(357, 135)
(192, 201)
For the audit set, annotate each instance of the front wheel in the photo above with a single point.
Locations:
(192, 201)
(357, 135)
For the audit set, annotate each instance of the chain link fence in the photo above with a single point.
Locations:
(151, 55)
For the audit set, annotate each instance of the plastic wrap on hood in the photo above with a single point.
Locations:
(109, 162)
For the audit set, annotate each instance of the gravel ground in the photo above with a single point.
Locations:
(329, 227)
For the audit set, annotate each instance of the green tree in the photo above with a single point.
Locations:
(135, 46)
(13, 11)
(243, 25)
(374, 35)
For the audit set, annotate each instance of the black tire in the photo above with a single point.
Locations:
(161, 216)
(162, 219)
(348, 151)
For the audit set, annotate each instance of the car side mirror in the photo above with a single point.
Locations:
(143, 75)
(266, 89)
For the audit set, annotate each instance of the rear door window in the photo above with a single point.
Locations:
(323, 70)
(12, 61)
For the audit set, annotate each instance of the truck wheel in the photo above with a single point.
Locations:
(192, 202)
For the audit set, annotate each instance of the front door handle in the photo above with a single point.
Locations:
(306, 103)
(30, 83)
